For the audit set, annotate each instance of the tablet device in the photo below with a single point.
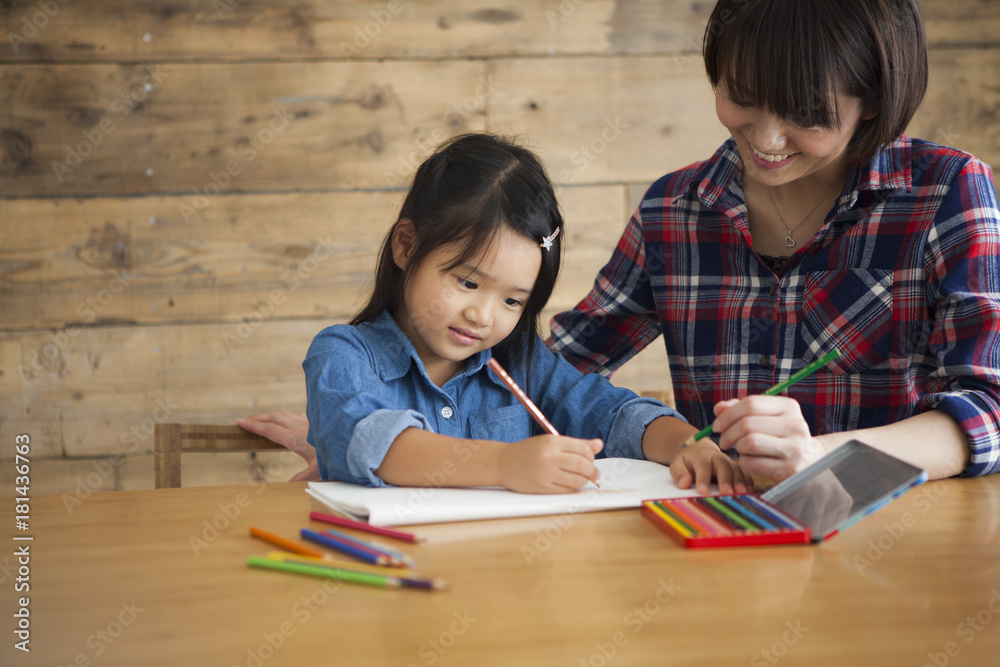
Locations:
(843, 487)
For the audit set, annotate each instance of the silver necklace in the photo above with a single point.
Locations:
(789, 241)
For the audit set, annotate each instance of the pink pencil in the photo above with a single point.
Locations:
(350, 523)
(521, 396)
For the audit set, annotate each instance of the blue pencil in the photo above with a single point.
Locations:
(346, 547)
(395, 556)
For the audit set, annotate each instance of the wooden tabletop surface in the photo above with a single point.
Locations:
(160, 577)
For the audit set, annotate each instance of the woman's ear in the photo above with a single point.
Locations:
(404, 239)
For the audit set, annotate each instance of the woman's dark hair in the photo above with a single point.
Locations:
(792, 57)
(466, 193)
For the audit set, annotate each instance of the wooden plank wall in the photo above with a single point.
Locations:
(190, 190)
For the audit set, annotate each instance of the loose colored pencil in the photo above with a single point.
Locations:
(408, 580)
(358, 566)
(777, 389)
(286, 544)
(367, 527)
(327, 572)
(345, 547)
(398, 559)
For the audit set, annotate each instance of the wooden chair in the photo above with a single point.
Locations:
(170, 440)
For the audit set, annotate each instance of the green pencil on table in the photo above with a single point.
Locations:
(776, 389)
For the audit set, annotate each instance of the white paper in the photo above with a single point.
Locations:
(624, 483)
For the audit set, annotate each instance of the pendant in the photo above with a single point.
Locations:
(789, 241)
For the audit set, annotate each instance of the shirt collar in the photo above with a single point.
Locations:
(396, 352)
(888, 170)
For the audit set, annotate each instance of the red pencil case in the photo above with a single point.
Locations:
(724, 521)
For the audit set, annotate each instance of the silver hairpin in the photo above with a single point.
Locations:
(547, 240)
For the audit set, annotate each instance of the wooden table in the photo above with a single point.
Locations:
(159, 578)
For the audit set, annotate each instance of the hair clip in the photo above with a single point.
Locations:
(547, 240)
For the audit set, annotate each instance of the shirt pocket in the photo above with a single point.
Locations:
(507, 424)
(850, 310)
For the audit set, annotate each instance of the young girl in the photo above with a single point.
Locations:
(402, 395)
(818, 225)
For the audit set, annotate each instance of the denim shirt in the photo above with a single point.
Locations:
(366, 384)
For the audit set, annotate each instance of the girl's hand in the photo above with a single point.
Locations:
(549, 464)
(703, 461)
(290, 431)
(770, 434)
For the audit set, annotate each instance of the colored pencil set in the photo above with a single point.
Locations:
(374, 564)
(724, 521)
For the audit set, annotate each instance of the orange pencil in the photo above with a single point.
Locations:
(523, 398)
(286, 544)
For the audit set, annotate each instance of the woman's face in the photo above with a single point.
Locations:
(776, 151)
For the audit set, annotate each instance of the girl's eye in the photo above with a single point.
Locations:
(512, 302)
(467, 284)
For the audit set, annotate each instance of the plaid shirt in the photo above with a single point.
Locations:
(903, 279)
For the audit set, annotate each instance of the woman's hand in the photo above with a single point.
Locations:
(770, 434)
(702, 462)
(549, 464)
(290, 431)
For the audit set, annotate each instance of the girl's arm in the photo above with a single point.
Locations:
(541, 464)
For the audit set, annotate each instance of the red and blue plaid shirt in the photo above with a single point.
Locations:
(903, 278)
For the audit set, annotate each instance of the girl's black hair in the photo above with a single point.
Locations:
(792, 57)
(465, 193)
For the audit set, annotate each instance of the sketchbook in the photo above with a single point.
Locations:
(623, 483)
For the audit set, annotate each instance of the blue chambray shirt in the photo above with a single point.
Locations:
(366, 384)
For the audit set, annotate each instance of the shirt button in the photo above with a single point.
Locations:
(774, 289)
(765, 360)
(447, 412)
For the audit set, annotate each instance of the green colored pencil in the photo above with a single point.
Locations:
(326, 572)
(777, 389)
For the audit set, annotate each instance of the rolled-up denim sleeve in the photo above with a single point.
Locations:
(353, 416)
(371, 440)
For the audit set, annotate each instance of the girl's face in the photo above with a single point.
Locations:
(776, 151)
(451, 315)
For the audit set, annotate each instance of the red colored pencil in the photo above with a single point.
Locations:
(522, 397)
(367, 527)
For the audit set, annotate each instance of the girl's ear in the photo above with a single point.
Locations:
(404, 239)
(871, 111)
